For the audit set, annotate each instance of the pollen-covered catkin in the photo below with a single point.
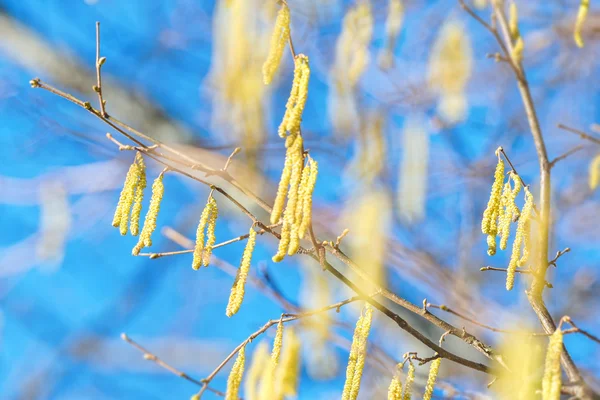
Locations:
(395, 389)
(237, 290)
(277, 342)
(199, 248)
(433, 373)
(121, 216)
(488, 223)
(134, 226)
(267, 384)
(281, 34)
(282, 190)
(594, 173)
(292, 204)
(301, 188)
(518, 241)
(410, 378)
(307, 193)
(235, 376)
(584, 7)
(145, 240)
(551, 382)
(210, 232)
(356, 359)
(297, 100)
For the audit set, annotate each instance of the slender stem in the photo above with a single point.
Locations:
(580, 133)
(98, 88)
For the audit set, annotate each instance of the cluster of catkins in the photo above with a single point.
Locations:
(268, 378)
(129, 206)
(500, 212)
(396, 392)
(299, 174)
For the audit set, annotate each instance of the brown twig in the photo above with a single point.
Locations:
(99, 62)
(148, 355)
(566, 154)
(580, 133)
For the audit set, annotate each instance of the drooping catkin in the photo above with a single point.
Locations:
(259, 362)
(235, 376)
(281, 34)
(237, 290)
(551, 382)
(200, 234)
(594, 173)
(307, 201)
(301, 189)
(433, 373)
(511, 211)
(297, 100)
(134, 226)
(126, 197)
(292, 203)
(288, 370)
(356, 359)
(282, 190)
(395, 389)
(410, 378)
(519, 238)
(488, 223)
(393, 24)
(145, 240)
(267, 383)
(211, 239)
(584, 7)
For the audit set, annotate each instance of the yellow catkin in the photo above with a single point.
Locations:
(211, 239)
(287, 374)
(121, 216)
(199, 248)
(584, 7)
(488, 223)
(518, 50)
(293, 198)
(281, 34)
(259, 362)
(356, 360)
(513, 21)
(511, 211)
(393, 24)
(301, 189)
(518, 241)
(235, 376)
(307, 193)
(145, 240)
(282, 190)
(277, 342)
(551, 383)
(433, 373)
(134, 226)
(395, 389)
(237, 290)
(594, 173)
(297, 99)
(410, 378)
(267, 384)
(284, 243)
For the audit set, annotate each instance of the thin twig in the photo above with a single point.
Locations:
(566, 154)
(580, 133)
(148, 355)
(99, 63)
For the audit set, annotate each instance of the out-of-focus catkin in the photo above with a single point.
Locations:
(259, 362)
(551, 382)
(297, 99)
(513, 21)
(433, 373)
(134, 226)
(121, 217)
(410, 378)
(281, 34)
(238, 289)
(450, 67)
(145, 240)
(518, 50)
(267, 382)
(395, 389)
(207, 219)
(584, 7)
(594, 173)
(358, 351)
(519, 240)
(288, 370)
(235, 376)
(393, 24)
